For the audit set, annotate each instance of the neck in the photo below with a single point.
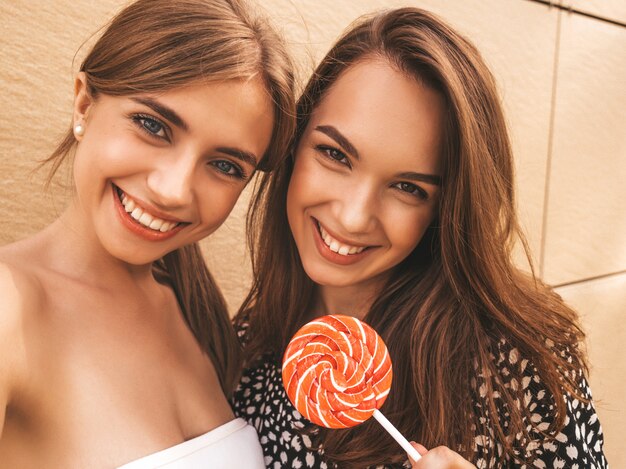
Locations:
(352, 300)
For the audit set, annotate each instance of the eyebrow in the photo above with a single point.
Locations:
(338, 137)
(164, 111)
(174, 118)
(421, 177)
(242, 155)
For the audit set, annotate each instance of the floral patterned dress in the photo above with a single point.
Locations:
(261, 399)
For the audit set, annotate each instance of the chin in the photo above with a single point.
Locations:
(328, 277)
(135, 257)
(138, 260)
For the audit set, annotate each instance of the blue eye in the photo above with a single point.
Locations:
(412, 189)
(228, 168)
(150, 125)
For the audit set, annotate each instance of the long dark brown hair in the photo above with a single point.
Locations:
(447, 306)
(157, 45)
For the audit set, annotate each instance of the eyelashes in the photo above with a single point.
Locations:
(230, 169)
(336, 156)
(155, 128)
(152, 126)
(412, 189)
(333, 154)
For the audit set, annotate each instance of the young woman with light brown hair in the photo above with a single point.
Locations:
(115, 340)
(397, 206)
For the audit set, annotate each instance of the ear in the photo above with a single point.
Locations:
(83, 101)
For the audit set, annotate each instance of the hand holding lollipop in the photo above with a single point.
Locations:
(337, 372)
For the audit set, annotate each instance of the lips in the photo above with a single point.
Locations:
(335, 250)
(142, 216)
(141, 221)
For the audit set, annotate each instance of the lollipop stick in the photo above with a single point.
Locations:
(393, 431)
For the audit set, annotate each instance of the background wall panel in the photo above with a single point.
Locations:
(586, 221)
(38, 42)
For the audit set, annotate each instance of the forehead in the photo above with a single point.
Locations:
(377, 106)
(225, 98)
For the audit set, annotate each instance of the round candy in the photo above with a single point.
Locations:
(337, 371)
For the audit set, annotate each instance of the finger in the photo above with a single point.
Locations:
(420, 449)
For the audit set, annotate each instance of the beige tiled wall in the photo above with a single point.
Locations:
(585, 232)
(562, 78)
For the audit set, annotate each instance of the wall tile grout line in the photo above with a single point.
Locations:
(546, 190)
(575, 11)
(590, 279)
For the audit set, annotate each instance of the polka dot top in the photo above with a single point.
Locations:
(261, 399)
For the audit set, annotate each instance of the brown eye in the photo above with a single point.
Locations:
(333, 154)
(412, 189)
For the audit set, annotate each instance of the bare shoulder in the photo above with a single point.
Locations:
(19, 263)
(19, 286)
(20, 290)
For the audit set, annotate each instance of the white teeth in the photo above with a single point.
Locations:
(156, 224)
(145, 218)
(136, 214)
(336, 246)
(129, 205)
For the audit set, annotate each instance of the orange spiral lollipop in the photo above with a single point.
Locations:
(337, 371)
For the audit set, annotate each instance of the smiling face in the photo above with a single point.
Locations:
(365, 183)
(160, 171)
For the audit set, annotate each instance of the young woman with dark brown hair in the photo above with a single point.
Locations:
(397, 206)
(115, 340)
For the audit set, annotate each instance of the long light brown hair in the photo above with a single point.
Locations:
(157, 45)
(449, 303)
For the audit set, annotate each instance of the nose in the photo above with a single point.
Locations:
(171, 182)
(357, 208)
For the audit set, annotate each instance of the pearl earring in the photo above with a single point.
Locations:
(79, 130)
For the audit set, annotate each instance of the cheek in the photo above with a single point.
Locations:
(297, 192)
(405, 229)
(310, 184)
(216, 204)
(293, 206)
(110, 157)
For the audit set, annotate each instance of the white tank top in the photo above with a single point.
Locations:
(232, 445)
